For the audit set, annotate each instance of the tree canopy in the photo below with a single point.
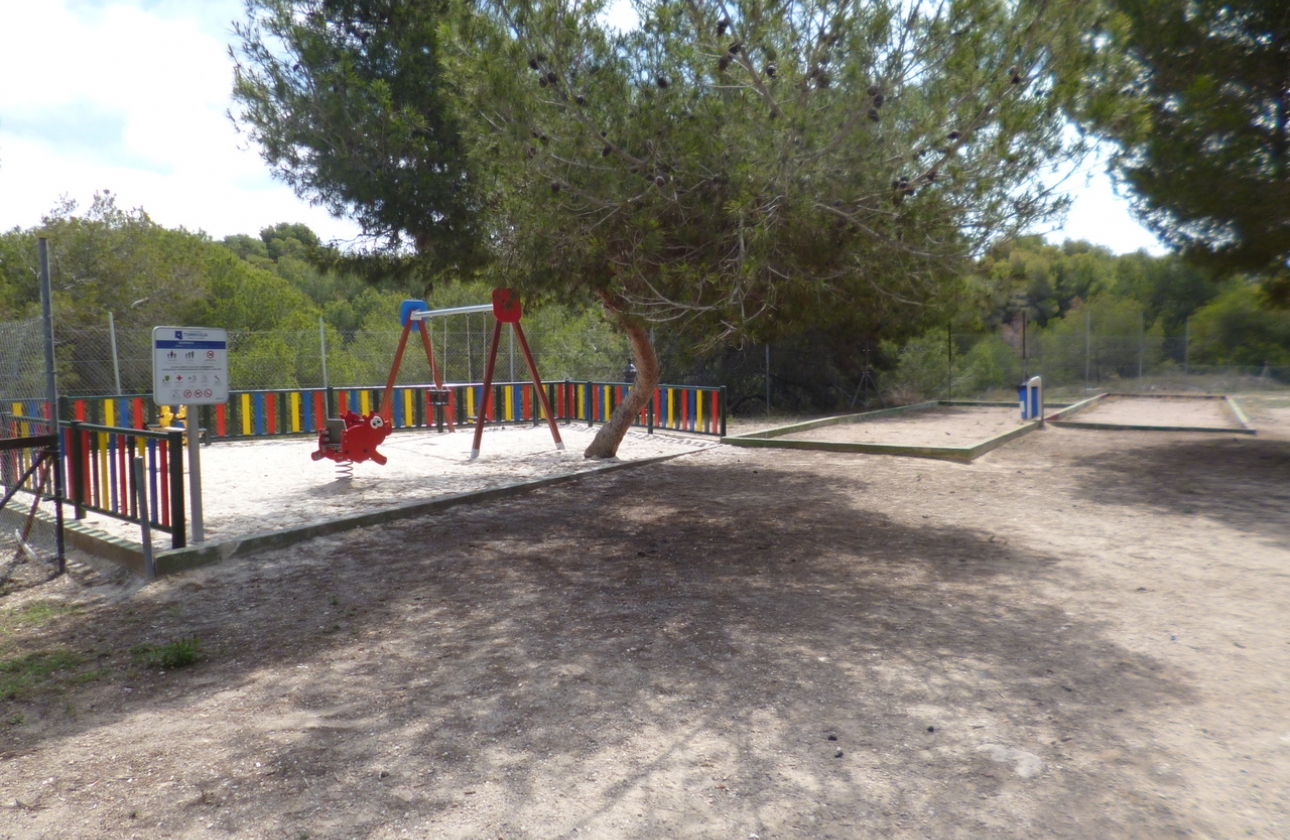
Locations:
(735, 168)
(1206, 154)
(749, 168)
(349, 105)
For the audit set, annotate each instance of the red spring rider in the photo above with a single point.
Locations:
(352, 437)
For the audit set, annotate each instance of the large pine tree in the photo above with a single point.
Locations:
(1208, 155)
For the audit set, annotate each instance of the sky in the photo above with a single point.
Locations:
(131, 97)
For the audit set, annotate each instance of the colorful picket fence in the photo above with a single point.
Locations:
(99, 479)
(268, 413)
(21, 419)
(96, 463)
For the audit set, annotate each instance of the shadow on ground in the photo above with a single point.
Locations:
(715, 649)
(1241, 482)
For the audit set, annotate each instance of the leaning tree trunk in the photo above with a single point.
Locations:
(605, 444)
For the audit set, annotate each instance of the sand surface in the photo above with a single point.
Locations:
(940, 426)
(250, 487)
(1159, 411)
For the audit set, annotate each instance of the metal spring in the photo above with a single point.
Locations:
(344, 470)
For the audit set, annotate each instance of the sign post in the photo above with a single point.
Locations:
(190, 368)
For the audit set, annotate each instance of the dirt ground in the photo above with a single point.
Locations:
(1081, 634)
(1159, 411)
(940, 426)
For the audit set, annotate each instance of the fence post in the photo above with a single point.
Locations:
(76, 457)
(1142, 344)
(949, 363)
(175, 454)
(145, 526)
(768, 379)
(649, 414)
(723, 409)
(116, 359)
(51, 388)
(1086, 349)
(1186, 342)
(1025, 362)
(322, 345)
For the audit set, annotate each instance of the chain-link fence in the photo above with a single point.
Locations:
(805, 375)
(29, 545)
(96, 361)
(990, 366)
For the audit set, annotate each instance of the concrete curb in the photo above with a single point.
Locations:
(171, 561)
(960, 454)
(1075, 407)
(1241, 416)
(1245, 427)
(777, 431)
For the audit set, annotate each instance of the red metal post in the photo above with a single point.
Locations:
(387, 399)
(482, 409)
(537, 383)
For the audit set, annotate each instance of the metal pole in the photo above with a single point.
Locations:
(1142, 344)
(195, 473)
(768, 379)
(1086, 351)
(517, 330)
(949, 363)
(51, 391)
(1186, 342)
(511, 336)
(482, 409)
(116, 360)
(145, 518)
(322, 344)
(1025, 363)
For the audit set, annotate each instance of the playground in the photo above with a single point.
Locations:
(257, 486)
(731, 643)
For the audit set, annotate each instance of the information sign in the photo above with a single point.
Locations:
(189, 365)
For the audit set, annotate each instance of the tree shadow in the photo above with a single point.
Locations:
(1243, 483)
(698, 628)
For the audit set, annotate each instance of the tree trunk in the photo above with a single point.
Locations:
(605, 444)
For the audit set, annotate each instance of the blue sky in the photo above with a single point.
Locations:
(131, 96)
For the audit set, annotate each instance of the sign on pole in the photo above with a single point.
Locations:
(189, 365)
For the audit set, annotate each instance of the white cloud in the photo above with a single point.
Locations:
(146, 87)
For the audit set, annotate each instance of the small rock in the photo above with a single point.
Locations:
(838, 754)
(931, 729)
(1027, 765)
(833, 737)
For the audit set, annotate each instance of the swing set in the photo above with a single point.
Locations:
(352, 438)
